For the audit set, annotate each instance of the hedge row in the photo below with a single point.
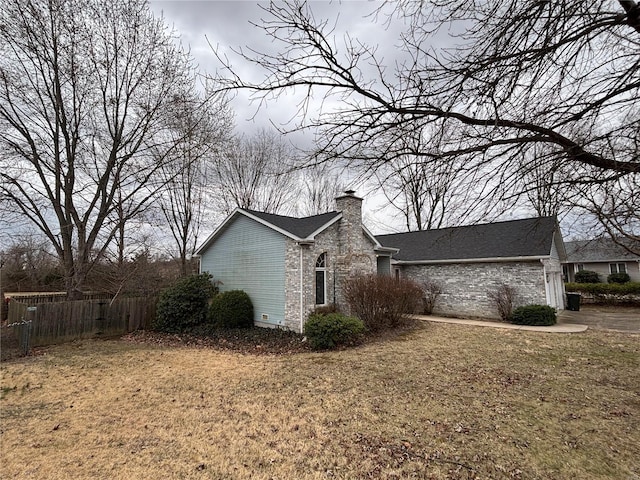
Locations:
(630, 288)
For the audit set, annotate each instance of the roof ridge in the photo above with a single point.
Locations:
(335, 212)
(469, 226)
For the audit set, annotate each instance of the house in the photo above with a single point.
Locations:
(601, 255)
(290, 265)
(470, 261)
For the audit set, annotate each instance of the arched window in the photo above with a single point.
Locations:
(321, 279)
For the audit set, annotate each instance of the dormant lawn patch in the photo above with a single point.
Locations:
(443, 401)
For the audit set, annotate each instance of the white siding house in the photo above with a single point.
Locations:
(603, 256)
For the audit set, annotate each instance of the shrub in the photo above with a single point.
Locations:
(430, 292)
(184, 305)
(587, 276)
(609, 292)
(325, 331)
(502, 299)
(232, 309)
(619, 278)
(382, 301)
(534, 315)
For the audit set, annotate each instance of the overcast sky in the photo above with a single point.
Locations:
(228, 25)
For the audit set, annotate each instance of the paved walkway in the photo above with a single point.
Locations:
(557, 328)
(623, 319)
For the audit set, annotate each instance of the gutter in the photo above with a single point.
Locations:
(473, 260)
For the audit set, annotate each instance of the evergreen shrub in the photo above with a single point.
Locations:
(184, 305)
(618, 278)
(587, 276)
(534, 315)
(326, 331)
(232, 309)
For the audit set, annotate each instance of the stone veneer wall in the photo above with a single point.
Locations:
(465, 285)
(327, 242)
(348, 250)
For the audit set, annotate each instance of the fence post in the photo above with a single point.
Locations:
(25, 337)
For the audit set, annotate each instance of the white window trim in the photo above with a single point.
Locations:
(617, 267)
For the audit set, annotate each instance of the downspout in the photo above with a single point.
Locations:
(301, 293)
(545, 276)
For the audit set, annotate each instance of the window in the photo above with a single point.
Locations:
(617, 268)
(321, 279)
(578, 267)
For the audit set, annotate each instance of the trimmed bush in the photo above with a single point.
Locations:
(232, 309)
(184, 305)
(326, 331)
(618, 278)
(534, 315)
(587, 276)
(382, 301)
(629, 288)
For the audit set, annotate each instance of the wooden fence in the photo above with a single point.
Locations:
(59, 322)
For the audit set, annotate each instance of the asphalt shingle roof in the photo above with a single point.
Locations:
(299, 227)
(598, 250)
(515, 238)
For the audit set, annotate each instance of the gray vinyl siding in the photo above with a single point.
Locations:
(249, 256)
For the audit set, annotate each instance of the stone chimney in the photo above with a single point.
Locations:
(356, 254)
(351, 223)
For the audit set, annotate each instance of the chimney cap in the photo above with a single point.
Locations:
(349, 194)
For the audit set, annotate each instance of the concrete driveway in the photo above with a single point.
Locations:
(625, 319)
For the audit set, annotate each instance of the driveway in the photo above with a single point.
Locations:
(626, 319)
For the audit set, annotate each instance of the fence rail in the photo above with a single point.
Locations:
(58, 322)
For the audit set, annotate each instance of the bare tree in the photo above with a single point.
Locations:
(319, 187)
(202, 129)
(560, 74)
(28, 264)
(615, 206)
(255, 173)
(432, 194)
(544, 182)
(84, 88)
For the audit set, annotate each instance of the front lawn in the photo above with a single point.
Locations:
(443, 401)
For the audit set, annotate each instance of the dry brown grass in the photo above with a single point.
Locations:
(445, 401)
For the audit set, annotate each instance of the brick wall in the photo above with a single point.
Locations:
(465, 285)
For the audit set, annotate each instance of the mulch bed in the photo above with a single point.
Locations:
(253, 341)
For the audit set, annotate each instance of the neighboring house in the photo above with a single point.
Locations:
(289, 265)
(469, 261)
(601, 255)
